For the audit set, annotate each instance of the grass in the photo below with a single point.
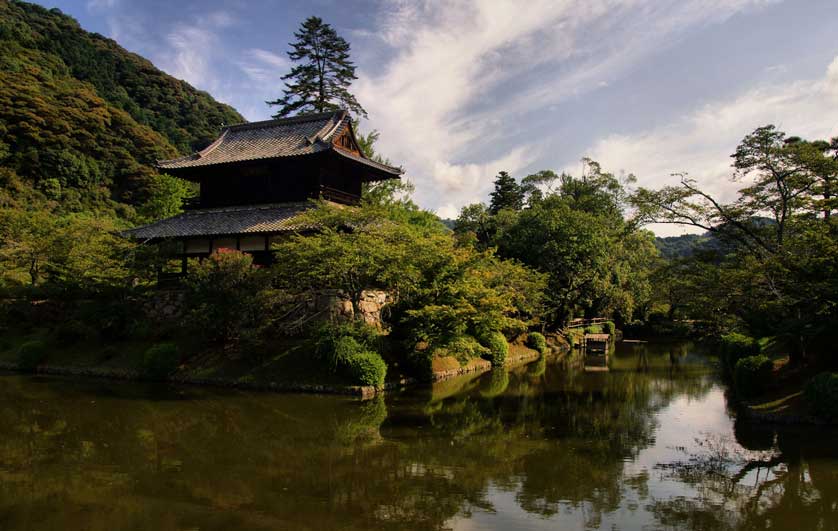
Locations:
(517, 351)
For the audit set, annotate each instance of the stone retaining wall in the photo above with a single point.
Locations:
(167, 304)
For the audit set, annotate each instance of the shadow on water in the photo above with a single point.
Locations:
(648, 443)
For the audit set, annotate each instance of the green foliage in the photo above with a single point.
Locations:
(752, 374)
(161, 360)
(165, 196)
(226, 295)
(771, 267)
(445, 291)
(594, 261)
(75, 252)
(735, 346)
(821, 396)
(83, 121)
(31, 354)
(351, 349)
(498, 348)
(537, 341)
(609, 328)
(72, 331)
(464, 348)
(506, 195)
(366, 368)
(320, 79)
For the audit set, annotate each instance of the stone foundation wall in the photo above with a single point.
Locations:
(164, 305)
(338, 307)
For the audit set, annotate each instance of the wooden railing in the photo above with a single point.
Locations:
(576, 323)
(338, 196)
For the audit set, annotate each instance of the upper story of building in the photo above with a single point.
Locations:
(281, 161)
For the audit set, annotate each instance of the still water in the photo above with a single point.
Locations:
(649, 444)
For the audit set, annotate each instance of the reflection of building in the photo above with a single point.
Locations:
(256, 178)
(596, 351)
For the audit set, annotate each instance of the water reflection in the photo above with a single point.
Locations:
(649, 443)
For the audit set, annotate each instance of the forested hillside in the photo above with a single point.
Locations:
(82, 120)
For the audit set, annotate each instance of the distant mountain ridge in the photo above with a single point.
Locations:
(82, 120)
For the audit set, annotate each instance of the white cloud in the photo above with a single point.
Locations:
(100, 5)
(437, 102)
(187, 56)
(262, 66)
(701, 142)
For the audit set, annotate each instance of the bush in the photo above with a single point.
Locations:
(537, 341)
(608, 327)
(734, 347)
(31, 354)
(161, 360)
(821, 396)
(366, 368)
(336, 343)
(225, 294)
(751, 375)
(465, 348)
(71, 332)
(498, 348)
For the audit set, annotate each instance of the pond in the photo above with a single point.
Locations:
(648, 444)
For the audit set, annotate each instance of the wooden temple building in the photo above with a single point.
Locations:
(256, 178)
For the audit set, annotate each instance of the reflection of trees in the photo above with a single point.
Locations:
(790, 487)
(105, 457)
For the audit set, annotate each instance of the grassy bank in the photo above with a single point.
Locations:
(286, 365)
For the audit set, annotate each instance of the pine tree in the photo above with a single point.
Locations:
(508, 194)
(321, 78)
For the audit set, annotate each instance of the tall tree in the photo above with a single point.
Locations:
(507, 194)
(321, 78)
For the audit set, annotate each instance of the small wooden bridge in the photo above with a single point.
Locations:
(578, 323)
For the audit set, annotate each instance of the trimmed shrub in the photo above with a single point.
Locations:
(343, 350)
(537, 342)
(751, 375)
(335, 343)
(366, 368)
(161, 360)
(821, 396)
(734, 347)
(498, 348)
(31, 354)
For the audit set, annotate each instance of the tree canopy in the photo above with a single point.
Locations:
(320, 79)
(773, 270)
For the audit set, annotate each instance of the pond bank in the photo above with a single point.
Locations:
(477, 366)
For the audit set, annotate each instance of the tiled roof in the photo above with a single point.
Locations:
(250, 219)
(286, 137)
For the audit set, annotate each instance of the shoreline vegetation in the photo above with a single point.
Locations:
(274, 383)
(760, 283)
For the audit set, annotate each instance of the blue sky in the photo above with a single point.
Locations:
(460, 90)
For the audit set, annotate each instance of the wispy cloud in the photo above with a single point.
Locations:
(462, 71)
(262, 66)
(700, 143)
(96, 5)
